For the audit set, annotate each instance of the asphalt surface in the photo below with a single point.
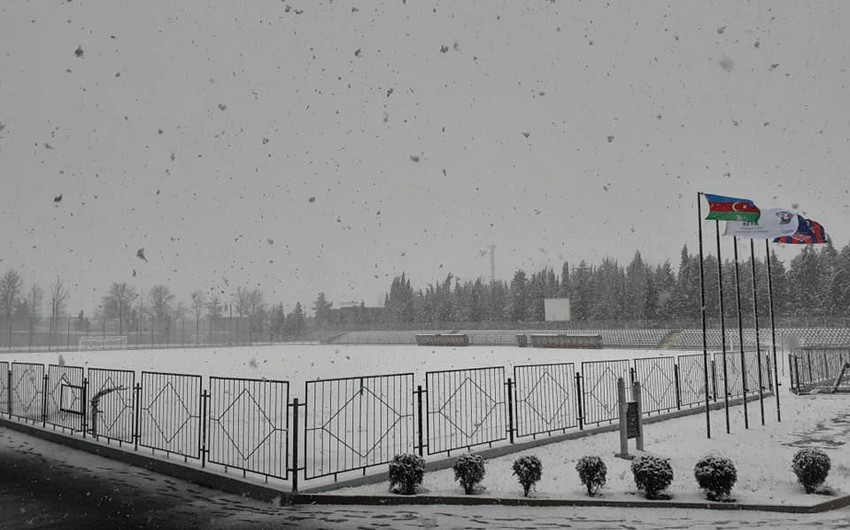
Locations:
(47, 486)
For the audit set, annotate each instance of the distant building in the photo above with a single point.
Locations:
(356, 314)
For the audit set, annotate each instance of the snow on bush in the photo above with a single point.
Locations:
(811, 467)
(406, 473)
(528, 470)
(716, 475)
(469, 471)
(652, 475)
(592, 472)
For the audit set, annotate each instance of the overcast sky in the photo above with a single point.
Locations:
(302, 146)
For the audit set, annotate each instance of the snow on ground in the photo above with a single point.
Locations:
(298, 363)
(761, 454)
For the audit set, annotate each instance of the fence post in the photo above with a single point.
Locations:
(578, 401)
(44, 402)
(85, 408)
(510, 386)
(9, 391)
(295, 445)
(137, 409)
(205, 396)
(714, 379)
(678, 387)
(631, 375)
(419, 419)
(636, 397)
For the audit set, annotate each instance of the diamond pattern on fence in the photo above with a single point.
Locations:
(357, 422)
(692, 379)
(27, 390)
(545, 398)
(248, 425)
(657, 378)
(110, 404)
(170, 413)
(599, 389)
(733, 377)
(4, 387)
(65, 396)
(465, 408)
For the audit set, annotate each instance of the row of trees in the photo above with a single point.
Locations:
(816, 283)
(20, 304)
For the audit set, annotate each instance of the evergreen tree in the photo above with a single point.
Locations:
(582, 290)
(321, 309)
(518, 309)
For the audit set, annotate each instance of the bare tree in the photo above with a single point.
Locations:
(199, 300)
(241, 303)
(256, 308)
(34, 299)
(10, 289)
(215, 310)
(161, 301)
(118, 302)
(58, 298)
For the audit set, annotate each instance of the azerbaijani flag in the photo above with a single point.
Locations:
(808, 233)
(722, 208)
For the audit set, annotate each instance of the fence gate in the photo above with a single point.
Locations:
(357, 422)
(545, 398)
(465, 408)
(110, 404)
(249, 425)
(170, 413)
(27, 391)
(599, 389)
(65, 397)
(657, 377)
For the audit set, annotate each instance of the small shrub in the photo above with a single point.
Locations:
(406, 473)
(528, 470)
(716, 475)
(592, 472)
(811, 467)
(469, 471)
(652, 475)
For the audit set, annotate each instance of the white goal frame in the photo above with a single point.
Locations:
(112, 342)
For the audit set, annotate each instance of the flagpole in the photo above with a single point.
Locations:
(722, 326)
(756, 320)
(741, 335)
(702, 311)
(772, 331)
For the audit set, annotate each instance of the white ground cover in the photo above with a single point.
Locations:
(298, 363)
(762, 456)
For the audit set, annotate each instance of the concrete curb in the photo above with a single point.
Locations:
(471, 500)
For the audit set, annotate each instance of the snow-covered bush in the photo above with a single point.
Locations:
(592, 472)
(528, 470)
(716, 475)
(811, 467)
(406, 473)
(652, 474)
(469, 471)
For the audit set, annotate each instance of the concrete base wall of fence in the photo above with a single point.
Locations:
(566, 341)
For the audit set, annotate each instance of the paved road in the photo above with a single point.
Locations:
(46, 486)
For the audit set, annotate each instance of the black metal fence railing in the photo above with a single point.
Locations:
(169, 413)
(65, 397)
(357, 422)
(816, 367)
(248, 425)
(110, 405)
(545, 398)
(659, 383)
(26, 386)
(465, 408)
(354, 423)
(4, 387)
(599, 389)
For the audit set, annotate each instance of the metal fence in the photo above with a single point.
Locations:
(110, 404)
(357, 422)
(545, 398)
(169, 413)
(816, 367)
(659, 384)
(4, 387)
(249, 425)
(691, 379)
(465, 408)
(27, 391)
(599, 389)
(66, 397)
